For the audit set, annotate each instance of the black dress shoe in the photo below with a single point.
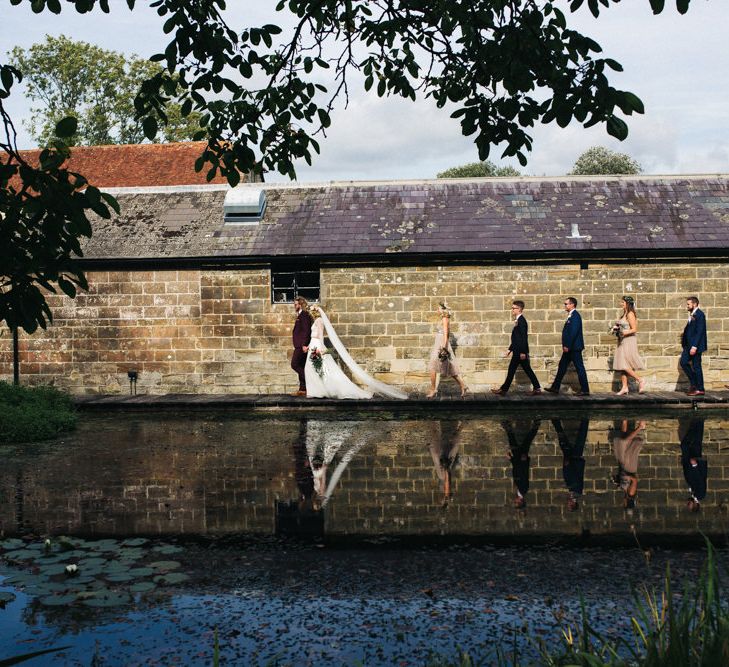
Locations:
(551, 390)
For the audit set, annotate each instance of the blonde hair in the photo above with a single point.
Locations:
(314, 312)
(444, 310)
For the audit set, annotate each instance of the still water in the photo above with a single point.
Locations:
(504, 475)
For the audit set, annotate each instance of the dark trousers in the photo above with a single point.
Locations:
(526, 366)
(572, 357)
(298, 363)
(692, 367)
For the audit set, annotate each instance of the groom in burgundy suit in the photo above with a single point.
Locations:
(301, 337)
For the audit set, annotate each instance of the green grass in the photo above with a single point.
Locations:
(29, 414)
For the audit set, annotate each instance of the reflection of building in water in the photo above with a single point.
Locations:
(572, 443)
(223, 475)
(445, 443)
(627, 444)
(695, 466)
(519, 455)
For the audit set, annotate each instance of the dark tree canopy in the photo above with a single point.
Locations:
(502, 65)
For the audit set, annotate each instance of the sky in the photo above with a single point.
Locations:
(676, 64)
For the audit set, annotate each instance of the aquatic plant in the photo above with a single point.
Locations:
(91, 573)
(28, 414)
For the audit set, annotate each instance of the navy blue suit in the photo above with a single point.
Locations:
(694, 335)
(691, 444)
(574, 342)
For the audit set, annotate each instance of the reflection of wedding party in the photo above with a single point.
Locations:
(321, 376)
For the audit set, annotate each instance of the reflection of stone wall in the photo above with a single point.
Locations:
(225, 476)
(217, 332)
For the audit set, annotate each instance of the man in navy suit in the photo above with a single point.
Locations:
(572, 346)
(693, 341)
(695, 467)
(519, 349)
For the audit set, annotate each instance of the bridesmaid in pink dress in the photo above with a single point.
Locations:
(442, 359)
(627, 360)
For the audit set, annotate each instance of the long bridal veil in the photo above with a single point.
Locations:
(365, 378)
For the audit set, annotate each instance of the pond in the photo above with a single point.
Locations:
(337, 538)
(499, 475)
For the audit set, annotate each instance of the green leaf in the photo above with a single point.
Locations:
(149, 126)
(66, 127)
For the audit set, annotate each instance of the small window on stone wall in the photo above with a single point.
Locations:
(290, 280)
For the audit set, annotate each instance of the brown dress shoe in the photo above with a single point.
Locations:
(582, 393)
(498, 392)
(534, 392)
(301, 392)
(696, 392)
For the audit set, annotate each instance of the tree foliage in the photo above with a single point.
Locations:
(502, 66)
(478, 170)
(64, 77)
(599, 160)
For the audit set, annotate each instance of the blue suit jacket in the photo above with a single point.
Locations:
(572, 333)
(694, 333)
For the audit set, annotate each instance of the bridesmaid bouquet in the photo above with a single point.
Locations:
(444, 354)
(317, 361)
(617, 331)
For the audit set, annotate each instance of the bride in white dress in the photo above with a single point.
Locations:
(329, 380)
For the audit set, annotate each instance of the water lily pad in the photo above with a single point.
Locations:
(104, 598)
(121, 577)
(24, 579)
(11, 543)
(103, 545)
(93, 561)
(165, 565)
(171, 578)
(135, 542)
(48, 560)
(7, 596)
(130, 554)
(53, 569)
(142, 587)
(115, 567)
(142, 571)
(167, 549)
(58, 600)
(21, 554)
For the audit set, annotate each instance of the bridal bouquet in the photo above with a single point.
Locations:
(317, 361)
(444, 354)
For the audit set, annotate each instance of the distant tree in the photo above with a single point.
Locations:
(64, 77)
(599, 160)
(478, 169)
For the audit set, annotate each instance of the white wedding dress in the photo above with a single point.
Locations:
(327, 439)
(333, 383)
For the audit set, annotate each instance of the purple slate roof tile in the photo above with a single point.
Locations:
(478, 216)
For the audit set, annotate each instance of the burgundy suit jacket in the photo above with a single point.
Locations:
(302, 330)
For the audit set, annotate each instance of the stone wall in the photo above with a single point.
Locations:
(217, 331)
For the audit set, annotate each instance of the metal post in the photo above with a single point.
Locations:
(16, 358)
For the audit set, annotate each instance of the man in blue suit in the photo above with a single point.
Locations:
(693, 342)
(572, 346)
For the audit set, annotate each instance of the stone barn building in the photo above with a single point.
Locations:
(191, 286)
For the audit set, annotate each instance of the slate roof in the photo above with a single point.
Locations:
(481, 217)
(130, 165)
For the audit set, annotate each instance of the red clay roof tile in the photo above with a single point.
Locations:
(136, 165)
